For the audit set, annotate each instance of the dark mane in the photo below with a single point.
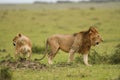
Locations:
(84, 32)
(86, 42)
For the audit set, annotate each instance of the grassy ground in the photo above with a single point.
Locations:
(40, 21)
(76, 72)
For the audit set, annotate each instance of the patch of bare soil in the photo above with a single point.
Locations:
(22, 63)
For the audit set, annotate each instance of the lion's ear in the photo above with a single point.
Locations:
(92, 29)
(19, 35)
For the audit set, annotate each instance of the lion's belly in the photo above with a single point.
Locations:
(66, 49)
(64, 41)
(66, 46)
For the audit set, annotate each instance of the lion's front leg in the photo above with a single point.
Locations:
(85, 59)
(16, 54)
(29, 55)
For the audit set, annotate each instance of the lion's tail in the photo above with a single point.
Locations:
(45, 52)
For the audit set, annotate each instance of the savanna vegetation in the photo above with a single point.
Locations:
(39, 21)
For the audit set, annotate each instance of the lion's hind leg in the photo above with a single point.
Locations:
(71, 55)
(54, 48)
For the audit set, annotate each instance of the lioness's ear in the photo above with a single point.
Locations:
(19, 35)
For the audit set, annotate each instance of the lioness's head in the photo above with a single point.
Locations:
(16, 38)
(95, 37)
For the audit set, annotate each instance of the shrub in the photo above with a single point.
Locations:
(115, 58)
(5, 73)
(95, 58)
(37, 49)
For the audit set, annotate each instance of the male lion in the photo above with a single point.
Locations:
(80, 42)
(22, 45)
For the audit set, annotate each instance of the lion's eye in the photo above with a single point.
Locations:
(98, 36)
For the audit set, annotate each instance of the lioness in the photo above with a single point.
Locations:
(22, 45)
(80, 42)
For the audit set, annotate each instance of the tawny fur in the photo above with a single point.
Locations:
(80, 42)
(23, 45)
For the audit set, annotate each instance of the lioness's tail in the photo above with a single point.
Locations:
(45, 52)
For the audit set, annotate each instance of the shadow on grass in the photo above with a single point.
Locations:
(66, 64)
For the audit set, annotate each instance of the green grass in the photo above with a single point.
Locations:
(38, 23)
(76, 72)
